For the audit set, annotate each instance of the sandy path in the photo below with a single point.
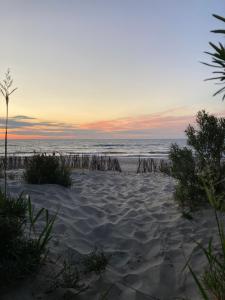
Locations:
(134, 218)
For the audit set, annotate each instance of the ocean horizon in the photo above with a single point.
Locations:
(155, 148)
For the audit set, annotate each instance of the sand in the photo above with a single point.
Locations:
(134, 218)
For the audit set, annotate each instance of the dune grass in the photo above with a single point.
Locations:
(211, 284)
(43, 169)
(22, 247)
(6, 90)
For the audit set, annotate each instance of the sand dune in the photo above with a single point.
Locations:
(134, 218)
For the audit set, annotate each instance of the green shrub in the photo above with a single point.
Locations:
(202, 161)
(207, 141)
(21, 248)
(183, 167)
(188, 190)
(42, 169)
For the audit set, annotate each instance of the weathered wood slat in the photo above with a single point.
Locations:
(91, 162)
(148, 165)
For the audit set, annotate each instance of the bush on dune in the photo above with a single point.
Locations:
(203, 161)
(184, 169)
(42, 169)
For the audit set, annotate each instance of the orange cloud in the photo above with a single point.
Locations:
(170, 123)
(141, 122)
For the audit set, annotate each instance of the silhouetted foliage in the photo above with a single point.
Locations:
(203, 160)
(21, 248)
(218, 60)
(6, 90)
(42, 169)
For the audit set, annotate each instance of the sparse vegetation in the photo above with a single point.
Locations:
(96, 262)
(42, 169)
(74, 273)
(69, 277)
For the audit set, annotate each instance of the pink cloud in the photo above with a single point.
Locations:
(152, 121)
(169, 123)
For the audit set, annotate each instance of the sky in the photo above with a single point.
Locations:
(107, 68)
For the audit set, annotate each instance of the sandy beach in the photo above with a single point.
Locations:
(112, 150)
(132, 217)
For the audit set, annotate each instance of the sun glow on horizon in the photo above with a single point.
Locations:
(115, 69)
(165, 124)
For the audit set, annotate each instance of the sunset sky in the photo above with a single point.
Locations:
(107, 68)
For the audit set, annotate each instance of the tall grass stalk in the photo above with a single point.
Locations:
(22, 248)
(6, 90)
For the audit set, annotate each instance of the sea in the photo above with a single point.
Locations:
(152, 148)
